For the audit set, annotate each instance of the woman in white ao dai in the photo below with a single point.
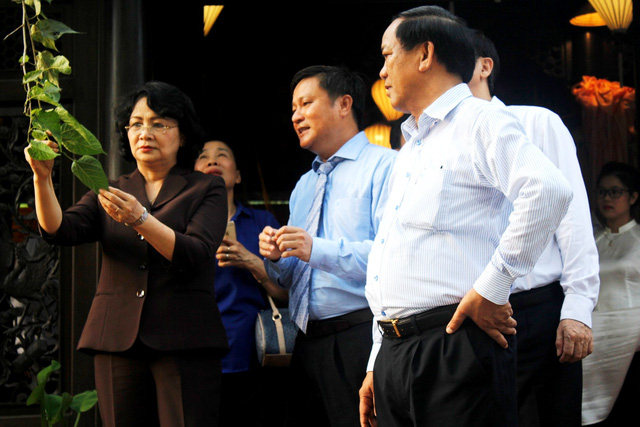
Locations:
(616, 318)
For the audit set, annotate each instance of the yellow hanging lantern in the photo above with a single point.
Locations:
(211, 13)
(379, 134)
(379, 94)
(618, 14)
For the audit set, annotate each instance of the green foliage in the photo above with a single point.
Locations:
(49, 120)
(53, 407)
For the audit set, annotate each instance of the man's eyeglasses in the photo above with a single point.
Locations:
(613, 193)
(155, 128)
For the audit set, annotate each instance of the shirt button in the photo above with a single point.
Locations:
(382, 241)
(384, 314)
(140, 293)
(375, 277)
(143, 266)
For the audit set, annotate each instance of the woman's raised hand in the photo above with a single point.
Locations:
(41, 168)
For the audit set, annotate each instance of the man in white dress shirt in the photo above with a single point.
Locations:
(450, 245)
(561, 291)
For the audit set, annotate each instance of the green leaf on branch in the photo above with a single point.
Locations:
(52, 407)
(48, 93)
(35, 4)
(24, 59)
(43, 375)
(32, 76)
(73, 141)
(53, 29)
(56, 412)
(46, 120)
(84, 401)
(38, 150)
(89, 171)
(51, 66)
(38, 393)
(77, 138)
(47, 31)
(39, 135)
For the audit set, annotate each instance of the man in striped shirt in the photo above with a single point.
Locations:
(561, 291)
(472, 204)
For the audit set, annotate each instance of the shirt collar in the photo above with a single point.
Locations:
(624, 228)
(497, 101)
(349, 151)
(241, 210)
(436, 111)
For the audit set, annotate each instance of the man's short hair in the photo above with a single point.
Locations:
(484, 48)
(448, 33)
(337, 81)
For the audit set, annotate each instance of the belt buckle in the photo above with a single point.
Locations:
(394, 323)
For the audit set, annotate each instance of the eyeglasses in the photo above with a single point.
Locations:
(155, 128)
(613, 193)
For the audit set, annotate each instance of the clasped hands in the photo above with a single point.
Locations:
(232, 253)
(285, 242)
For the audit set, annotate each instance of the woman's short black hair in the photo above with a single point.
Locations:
(166, 101)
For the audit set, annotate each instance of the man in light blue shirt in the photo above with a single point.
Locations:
(330, 308)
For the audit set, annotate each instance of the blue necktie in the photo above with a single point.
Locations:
(299, 299)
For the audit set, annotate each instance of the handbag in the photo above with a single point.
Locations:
(275, 335)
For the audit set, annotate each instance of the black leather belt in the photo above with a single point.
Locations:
(536, 296)
(412, 325)
(318, 328)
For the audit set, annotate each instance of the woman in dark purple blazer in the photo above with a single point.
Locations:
(154, 327)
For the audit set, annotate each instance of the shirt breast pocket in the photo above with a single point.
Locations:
(426, 203)
(352, 218)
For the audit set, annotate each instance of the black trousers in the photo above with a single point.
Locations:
(441, 380)
(239, 400)
(144, 387)
(326, 375)
(549, 392)
(254, 398)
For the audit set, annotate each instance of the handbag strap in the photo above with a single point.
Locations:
(277, 319)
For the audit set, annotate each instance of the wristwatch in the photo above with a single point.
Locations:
(140, 220)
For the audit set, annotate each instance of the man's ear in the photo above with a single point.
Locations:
(345, 102)
(487, 67)
(427, 56)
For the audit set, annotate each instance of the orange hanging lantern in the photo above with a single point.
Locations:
(379, 134)
(379, 94)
